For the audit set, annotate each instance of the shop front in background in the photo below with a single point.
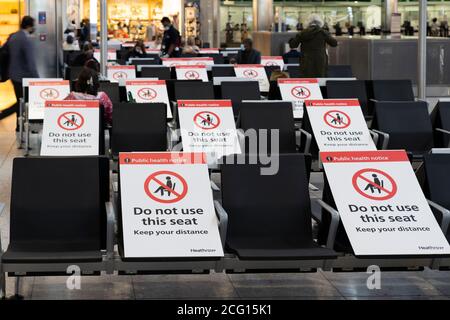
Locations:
(11, 12)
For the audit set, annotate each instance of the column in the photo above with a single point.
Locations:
(262, 15)
(390, 7)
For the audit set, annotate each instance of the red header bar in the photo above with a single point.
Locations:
(154, 158)
(145, 82)
(121, 67)
(189, 66)
(188, 59)
(72, 104)
(332, 103)
(50, 83)
(297, 80)
(204, 104)
(271, 58)
(364, 156)
(248, 66)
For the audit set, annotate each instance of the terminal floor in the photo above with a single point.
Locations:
(321, 285)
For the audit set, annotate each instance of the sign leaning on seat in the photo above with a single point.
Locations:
(208, 126)
(148, 91)
(71, 128)
(117, 73)
(271, 61)
(192, 72)
(253, 72)
(299, 90)
(195, 61)
(167, 206)
(40, 91)
(381, 204)
(339, 125)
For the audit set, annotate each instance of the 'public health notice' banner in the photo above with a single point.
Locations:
(41, 91)
(196, 61)
(71, 128)
(167, 206)
(148, 91)
(339, 125)
(253, 72)
(117, 73)
(208, 126)
(299, 90)
(381, 205)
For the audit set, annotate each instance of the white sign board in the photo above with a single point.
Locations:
(209, 51)
(41, 91)
(339, 125)
(269, 61)
(253, 72)
(117, 73)
(299, 90)
(167, 206)
(199, 61)
(191, 72)
(112, 55)
(71, 128)
(381, 204)
(208, 126)
(148, 91)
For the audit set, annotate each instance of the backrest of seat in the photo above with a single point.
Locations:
(217, 57)
(273, 206)
(162, 73)
(437, 184)
(112, 90)
(145, 62)
(349, 89)
(440, 118)
(194, 90)
(139, 127)
(268, 116)
(58, 204)
(339, 71)
(408, 124)
(392, 90)
(223, 72)
(270, 69)
(294, 71)
(240, 90)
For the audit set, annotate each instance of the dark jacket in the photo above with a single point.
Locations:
(251, 57)
(291, 54)
(314, 61)
(22, 58)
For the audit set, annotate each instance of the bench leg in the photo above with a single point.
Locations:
(2, 286)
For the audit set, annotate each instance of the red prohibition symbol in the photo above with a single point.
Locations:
(192, 75)
(70, 121)
(166, 187)
(249, 73)
(206, 120)
(147, 94)
(120, 75)
(49, 94)
(337, 119)
(374, 184)
(301, 92)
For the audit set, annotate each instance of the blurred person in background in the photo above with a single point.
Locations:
(247, 55)
(293, 51)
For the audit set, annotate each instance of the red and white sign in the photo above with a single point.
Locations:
(209, 51)
(112, 55)
(270, 61)
(299, 90)
(117, 73)
(167, 206)
(208, 126)
(253, 72)
(71, 128)
(148, 91)
(339, 125)
(41, 91)
(196, 61)
(381, 204)
(192, 72)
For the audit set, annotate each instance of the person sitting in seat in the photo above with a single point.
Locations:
(247, 55)
(138, 51)
(293, 52)
(86, 55)
(87, 89)
(190, 47)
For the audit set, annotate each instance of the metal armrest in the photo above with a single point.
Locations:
(241, 138)
(2, 207)
(445, 215)
(444, 132)
(308, 140)
(222, 215)
(335, 218)
(173, 137)
(385, 138)
(110, 224)
(375, 137)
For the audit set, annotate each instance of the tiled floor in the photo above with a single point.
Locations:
(321, 285)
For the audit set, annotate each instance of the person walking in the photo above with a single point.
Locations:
(313, 40)
(22, 58)
(171, 40)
